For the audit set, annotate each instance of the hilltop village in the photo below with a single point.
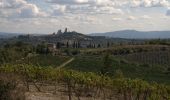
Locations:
(68, 39)
(61, 40)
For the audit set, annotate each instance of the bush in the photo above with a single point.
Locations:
(5, 88)
(9, 89)
(75, 52)
(118, 74)
(123, 61)
(67, 51)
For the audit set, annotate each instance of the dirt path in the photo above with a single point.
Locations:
(66, 63)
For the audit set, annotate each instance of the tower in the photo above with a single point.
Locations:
(65, 30)
(59, 32)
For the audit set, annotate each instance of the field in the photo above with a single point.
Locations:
(80, 85)
(147, 72)
(44, 60)
(115, 73)
(150, 63)
(155, 57)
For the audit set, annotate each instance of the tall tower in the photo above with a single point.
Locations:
(59, 32)
(65, 30)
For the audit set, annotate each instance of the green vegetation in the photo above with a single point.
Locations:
(86, 63)
(159, 41)
(148, 62)
(44, 60)
(9, 87)
(128, 71)
(13, 52)
(5, 87)
(107, 61)
(155, 57)
(126, 49)
(148, 72)
(81, 83)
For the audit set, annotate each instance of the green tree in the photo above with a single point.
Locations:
(58, 45)
(98, 46)
(67, 44)
(19, 44)
(108, 44)
(41, 48)
(107, 61)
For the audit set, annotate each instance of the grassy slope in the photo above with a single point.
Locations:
(155, 57)
(86, 63)
(94, 63)
(46, 60)
(132, 70)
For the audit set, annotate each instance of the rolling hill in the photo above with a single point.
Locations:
(8, 35)
(133, 34)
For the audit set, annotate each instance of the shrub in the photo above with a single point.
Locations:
(5, 88)
(118, 74)
(9, 89)
(75, 52)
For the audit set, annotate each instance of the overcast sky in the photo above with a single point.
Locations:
(85, 16)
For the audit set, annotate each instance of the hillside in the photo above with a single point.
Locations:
(117, 72)
(60, 84)
(66, 36)
(8, 35)
(71, 38)
(133, 34)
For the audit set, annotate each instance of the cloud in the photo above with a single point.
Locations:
(20, 8)
(145, 17)
(82, 2)
(29, 10)
(138, 17)
(1, 4)
(86, 6)
(87, 14)
(149, 3)
(168, 12)
(68, 1)
(58, 10)
(116, 3)
(80, 18)
(104, 6)
(109, 10)
(61, 7)
(131, 18)
(12, 3)
(116, 19)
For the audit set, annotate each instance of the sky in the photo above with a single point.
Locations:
(84, 16)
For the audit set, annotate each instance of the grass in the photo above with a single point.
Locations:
(131, 70)
(86, 63)
(160, 58)
(46, 60)
(147, 65)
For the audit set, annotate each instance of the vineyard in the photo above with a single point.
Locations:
(128, 72)
(43, 60)
(155, 57)
(157, 73)
(86, 84)
(127, 49)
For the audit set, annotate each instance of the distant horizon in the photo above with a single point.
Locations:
(88, 33)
